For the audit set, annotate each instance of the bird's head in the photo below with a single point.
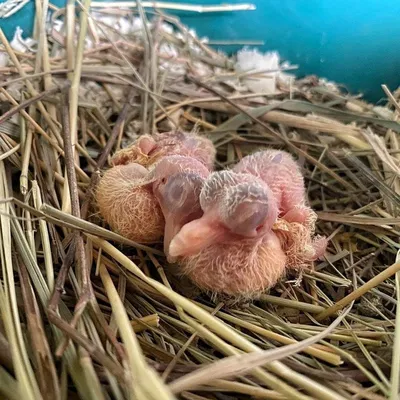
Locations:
(177, 183)
(235, 206)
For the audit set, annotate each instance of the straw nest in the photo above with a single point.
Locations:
(86, 313)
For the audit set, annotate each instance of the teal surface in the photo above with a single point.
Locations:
(354, 42)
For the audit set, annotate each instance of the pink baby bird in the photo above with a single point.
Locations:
(177, 183)
(296, 225)
(125, 193)
(126, 202)
(232, 249)
(148, 150)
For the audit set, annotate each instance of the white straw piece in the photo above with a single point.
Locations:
(176, 6)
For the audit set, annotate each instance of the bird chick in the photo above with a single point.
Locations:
(224, 251)
(296, 224)
(126, 202)
(177, 182)
(234, 206)
(148, 150)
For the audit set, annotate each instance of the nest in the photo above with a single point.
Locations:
(87, 313)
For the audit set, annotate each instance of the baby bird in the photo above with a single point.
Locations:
(296, 224)
(147, 150)
(231, 250)
(177, 182)
(126, 202)
(125, 194)
(234, 206)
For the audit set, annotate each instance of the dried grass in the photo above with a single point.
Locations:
(86, 313)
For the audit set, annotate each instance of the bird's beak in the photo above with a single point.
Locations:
(195, 237)
(172, 227)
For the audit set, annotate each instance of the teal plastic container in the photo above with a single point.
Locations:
(354, 42)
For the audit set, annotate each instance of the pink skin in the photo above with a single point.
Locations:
(177, 183)
(146, 144)
(198, 235)
(235, 206)
(282, 174)
(137, 171)
(138, 152)
(148, 150)
(186, 144)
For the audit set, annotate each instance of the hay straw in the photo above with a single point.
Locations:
(141, 373)
(395, 373)
(174, 6)
(87, 313)
(235, 365)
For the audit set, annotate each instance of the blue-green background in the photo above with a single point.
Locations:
(355, 42)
